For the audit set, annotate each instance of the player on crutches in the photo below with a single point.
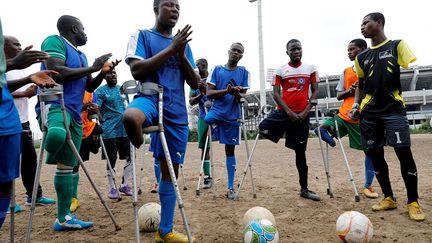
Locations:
(157, 57)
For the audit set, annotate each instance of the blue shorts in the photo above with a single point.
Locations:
(10, 157)
(176, 135)
(227, 131)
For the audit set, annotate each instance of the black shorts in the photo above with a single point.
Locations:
(89, 144)
(117, 145)
(389, 129)
(277, 124)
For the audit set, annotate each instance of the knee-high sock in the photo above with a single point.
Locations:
(75, 180)
(409, 172)
(168, 202)
(381, 170)
(111, 179)
(231, 166)
(4, 205)
(302, 168)
(157, 171)
(127, 172)
(369, 172)
(207, 167)
(63, 181)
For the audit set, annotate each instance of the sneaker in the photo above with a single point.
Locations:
(71, 223)
(208, 182)
(305, 193)
(155, 188)
(113, 194)
(386, 204)
(325, 136)
(41, 201)
(126, 190)
(415, 212)
(370, 193)
(74, 204)
(231, 194)
(18, 209)
(173, 237)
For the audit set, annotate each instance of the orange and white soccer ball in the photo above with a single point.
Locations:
(354, 227)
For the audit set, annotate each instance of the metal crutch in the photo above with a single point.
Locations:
(12, 213)
(53, 94)
(183, 178)
(142, 169)
(325, 157)
(110, 169)
(202, 163)
(265, 110)
(159, 128)
(357, 197)
(248, 165)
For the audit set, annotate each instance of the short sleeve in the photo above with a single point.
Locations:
(189, 56)
(314, 76)
(99, 97)
(246, 79)
(135, 47)
(359, 70)
(277, 77)
(405, 55)
(211, 79)
(55, 47)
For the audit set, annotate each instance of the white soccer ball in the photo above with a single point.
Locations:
(354, 227)
(258, 213)
(260, 231)
(149, 217)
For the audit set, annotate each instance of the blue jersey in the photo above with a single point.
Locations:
(10, 121)
(59, 47)
(145, 44)
(220, 77)
(111, 107)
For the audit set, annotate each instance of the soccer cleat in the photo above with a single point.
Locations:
(305, 193)
(208, 182)
(172, 237)
(325, 136)
(113, 194)
(74, 204)
(126, 190)
(231, 194)
(71, 223)
(386, 204)
(41, 201)
(17, 209)
(155, 188)
(370, 193)
(415, 212)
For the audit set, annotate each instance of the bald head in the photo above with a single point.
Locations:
(72, 29)
(12, 46)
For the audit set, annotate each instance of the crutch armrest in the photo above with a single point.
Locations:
(151, 129)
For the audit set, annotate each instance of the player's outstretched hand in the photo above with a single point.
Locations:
(180, 40)
(108, 66)
(27, 57)
(100, 61)
(43, 78)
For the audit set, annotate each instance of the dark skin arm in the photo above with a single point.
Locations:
(28, 93)
(347, 93)
(292, 116)
(93, 83)
(314, 88)
(212, 93)
(42, 79)
(358, 97)
(141, 68)
(194, 99)
(25, 58)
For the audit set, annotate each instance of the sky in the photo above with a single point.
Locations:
(323, 27)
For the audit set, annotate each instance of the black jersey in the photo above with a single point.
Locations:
(378, 69)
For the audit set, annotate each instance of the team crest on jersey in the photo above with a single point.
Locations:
(301, 81)
(385, 54)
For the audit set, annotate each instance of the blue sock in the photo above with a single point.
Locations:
(167, 199)
(325, 136)
(231, 165)
(4, 205)
(157, 170)
(369, 171)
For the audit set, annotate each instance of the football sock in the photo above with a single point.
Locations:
(325, 136)
(111, 179)
(127, 172)
(369, 172)
(63, 181)
(168, 202)
(207, 167)
(4, 205)
(75, 180)
(157, 170)
(231, 165)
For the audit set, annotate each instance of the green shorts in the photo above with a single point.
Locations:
(58, 150)
(353, 131)
(202, 134)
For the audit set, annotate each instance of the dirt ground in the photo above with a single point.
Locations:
(219, 220)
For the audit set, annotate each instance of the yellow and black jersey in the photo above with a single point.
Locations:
(378, 69)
